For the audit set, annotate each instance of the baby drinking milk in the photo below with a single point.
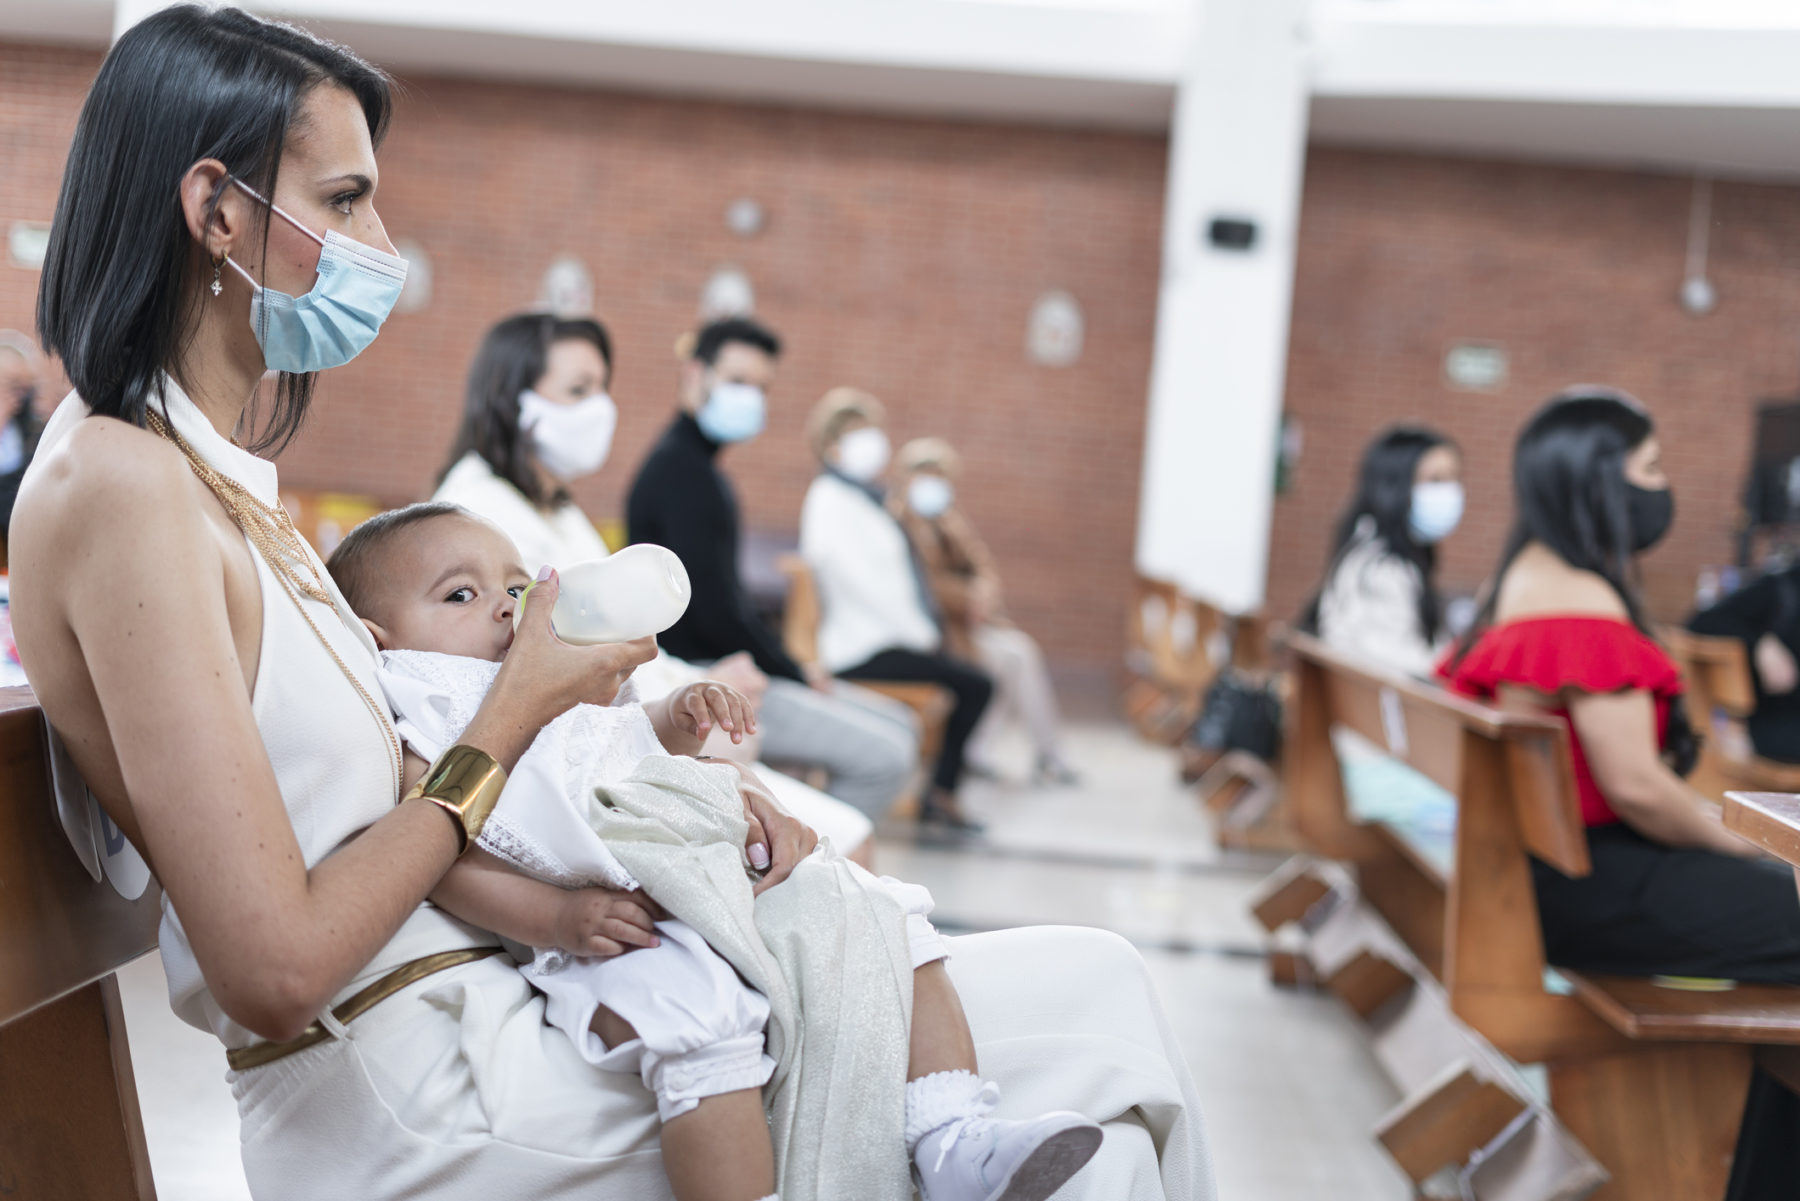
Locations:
(827, 992)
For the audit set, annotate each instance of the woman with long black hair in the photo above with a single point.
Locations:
(217, 221)
(1379, 600)
(1563, 632)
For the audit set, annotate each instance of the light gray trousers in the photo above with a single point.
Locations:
(867, 743)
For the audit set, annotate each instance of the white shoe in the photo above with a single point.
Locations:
(984, 1159)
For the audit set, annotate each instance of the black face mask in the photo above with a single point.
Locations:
(1652, 512)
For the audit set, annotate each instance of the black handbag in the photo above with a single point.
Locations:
(1239, 714)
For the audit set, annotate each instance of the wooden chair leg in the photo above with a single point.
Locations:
(1663, 1120)
(70, 1128)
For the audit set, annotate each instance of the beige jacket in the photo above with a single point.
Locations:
(958, 568)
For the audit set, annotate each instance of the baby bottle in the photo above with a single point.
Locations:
(640, 591)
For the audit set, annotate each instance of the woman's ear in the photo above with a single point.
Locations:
(380, 635)
(215, 213)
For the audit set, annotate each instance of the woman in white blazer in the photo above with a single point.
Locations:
(877, 618)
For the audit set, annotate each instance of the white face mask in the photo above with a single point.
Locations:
(929, 495)
(863, 454)
(570, 440)
(1437, 510)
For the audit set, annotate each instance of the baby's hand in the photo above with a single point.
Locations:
(599, 923)
(739, 671)
(697, 707)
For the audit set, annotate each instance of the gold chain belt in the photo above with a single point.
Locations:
(242, 1059)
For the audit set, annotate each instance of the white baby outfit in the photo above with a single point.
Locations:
(700, 1027)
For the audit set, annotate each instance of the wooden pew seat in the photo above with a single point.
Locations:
(1771, 820)
(1643, 1009)
(1650, 1078)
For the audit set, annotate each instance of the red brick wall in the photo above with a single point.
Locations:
(41, 89)
(900, 256)
(903, 256)
(1575, 273)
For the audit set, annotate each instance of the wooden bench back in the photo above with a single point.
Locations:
(1513, 780)
(323, 518)
(69, 1122)
(1720, 694)
(1716, 672)
(1176, 635)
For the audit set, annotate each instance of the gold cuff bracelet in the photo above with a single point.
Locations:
(465, 783)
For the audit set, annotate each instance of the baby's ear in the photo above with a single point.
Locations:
(379, 634)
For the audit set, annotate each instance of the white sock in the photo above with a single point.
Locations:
(936, 1100)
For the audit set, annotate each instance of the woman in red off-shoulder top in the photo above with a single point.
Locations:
(1672, 892)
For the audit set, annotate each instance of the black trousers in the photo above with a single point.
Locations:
(1653, 910)
(971, 687)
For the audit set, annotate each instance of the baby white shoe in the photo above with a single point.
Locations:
(973, 1157)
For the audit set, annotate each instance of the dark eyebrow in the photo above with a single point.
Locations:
(360, 182)
(458, 569)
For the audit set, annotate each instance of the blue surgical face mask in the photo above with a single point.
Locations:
(338, 317)
(732, 413)
(1437, 509)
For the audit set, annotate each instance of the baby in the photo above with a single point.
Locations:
(633, 988)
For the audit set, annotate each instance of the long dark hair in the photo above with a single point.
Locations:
(511, 359)
(120, 291)
(1383, 499)
(1570, 493)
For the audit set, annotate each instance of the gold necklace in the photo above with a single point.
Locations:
(271, 532)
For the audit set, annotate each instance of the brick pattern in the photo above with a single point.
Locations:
(903, 256)
(1575, 273)
(900, 256)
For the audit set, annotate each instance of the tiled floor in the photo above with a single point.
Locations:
(1289, 1091)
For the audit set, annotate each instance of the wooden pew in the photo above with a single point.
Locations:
(1649, 1079)
(1175, 647)
(800, 636)
(1720, 695)
(69, 1121)
(1463, 1105)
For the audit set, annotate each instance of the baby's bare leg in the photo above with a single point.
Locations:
(717, 1151)
(720, 1150)
(612, 1029)
(941, 1041)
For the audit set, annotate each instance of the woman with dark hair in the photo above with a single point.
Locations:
(219, 698)
(1563, 632)
(1380, 600)
(536, 417)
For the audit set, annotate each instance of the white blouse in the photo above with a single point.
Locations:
(561, 537)
(1370, 608)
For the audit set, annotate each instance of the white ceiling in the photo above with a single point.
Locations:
(1670, 84)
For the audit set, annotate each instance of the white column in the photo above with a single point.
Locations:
(127, 13)
(1236, 150)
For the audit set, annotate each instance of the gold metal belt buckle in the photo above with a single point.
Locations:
(242, 1059)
